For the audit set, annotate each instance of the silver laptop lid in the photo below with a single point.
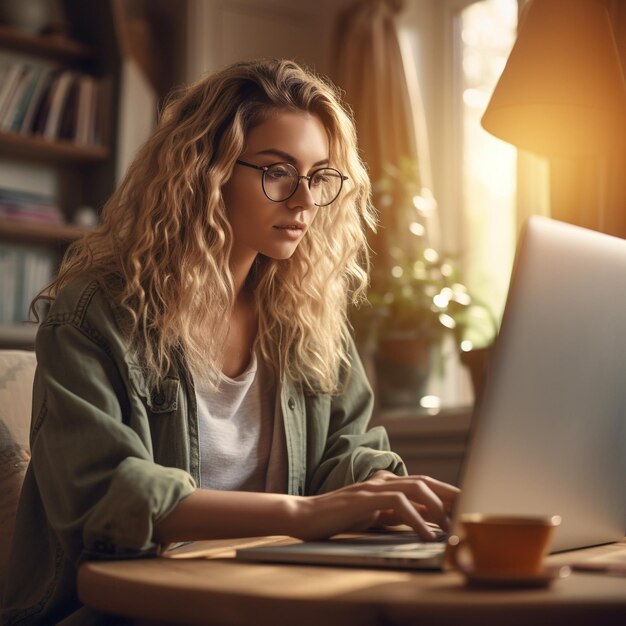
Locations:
(549, 430)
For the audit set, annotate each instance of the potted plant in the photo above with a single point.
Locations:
(416, 300)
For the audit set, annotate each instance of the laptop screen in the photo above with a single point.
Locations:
(549, 428)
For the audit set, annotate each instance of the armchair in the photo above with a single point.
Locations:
(17, 369)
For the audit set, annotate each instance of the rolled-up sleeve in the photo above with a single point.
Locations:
(91, 451)
(352, 452)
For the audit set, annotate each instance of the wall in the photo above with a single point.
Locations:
(151, 35)
(224, 31)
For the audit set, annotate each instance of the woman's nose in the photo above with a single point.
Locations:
(302, 198)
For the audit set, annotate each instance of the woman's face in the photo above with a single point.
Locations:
(259, 225)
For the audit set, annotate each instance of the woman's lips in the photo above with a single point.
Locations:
(291, 226)
(292, 231)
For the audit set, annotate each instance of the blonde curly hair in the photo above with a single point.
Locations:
(166, 240)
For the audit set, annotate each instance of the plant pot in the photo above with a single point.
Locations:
(403, 366)
(476, 361)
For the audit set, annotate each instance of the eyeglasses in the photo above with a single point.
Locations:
(280, 181)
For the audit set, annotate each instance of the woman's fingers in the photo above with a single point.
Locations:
(357, 508)
(403, 510)
(425, 496)
(385, 498)
(432, 496)
(444, 490)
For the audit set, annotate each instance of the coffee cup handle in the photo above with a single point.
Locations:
(457, 549)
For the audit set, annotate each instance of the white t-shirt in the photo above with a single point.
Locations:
(239, 448)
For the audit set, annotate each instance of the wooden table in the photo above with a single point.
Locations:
(215, 589)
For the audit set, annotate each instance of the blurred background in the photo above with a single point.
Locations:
(81, 83)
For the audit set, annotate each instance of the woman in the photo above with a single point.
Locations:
(196, 378)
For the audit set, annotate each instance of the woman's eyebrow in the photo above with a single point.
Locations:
(288, 157)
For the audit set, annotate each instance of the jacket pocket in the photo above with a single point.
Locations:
(162, 399)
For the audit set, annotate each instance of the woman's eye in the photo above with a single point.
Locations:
(278, 173)
(319, 179)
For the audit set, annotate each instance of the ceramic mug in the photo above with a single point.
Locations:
(502, 544)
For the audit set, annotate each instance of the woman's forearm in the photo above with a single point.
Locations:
(212, 514)
(410, 500)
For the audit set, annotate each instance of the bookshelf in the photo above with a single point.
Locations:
(37, 233)
(53, 47)
(61, 151)
(80, 168)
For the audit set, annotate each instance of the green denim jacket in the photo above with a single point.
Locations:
(111, 457)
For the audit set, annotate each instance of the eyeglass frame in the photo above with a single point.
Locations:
(265, 168)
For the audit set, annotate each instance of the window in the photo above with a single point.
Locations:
(489, 165)
(459, 48)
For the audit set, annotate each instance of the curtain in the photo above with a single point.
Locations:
(370, 69)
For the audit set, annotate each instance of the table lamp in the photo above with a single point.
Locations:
(562, 91)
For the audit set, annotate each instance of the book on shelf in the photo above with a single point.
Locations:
(42, 107)
(86, 111)
(14, 119)
(5, 75)
(102, 103)
(68, 120)
(25, 206)
(15, 97)
(10, 85)
(78, 119)
(56, 103)
(43, 82)
(24, 271)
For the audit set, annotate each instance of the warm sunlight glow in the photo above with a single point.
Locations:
(447, 320)
(441, 301)
(430, 402)
(446, 269)
(432, 256)
(417, 229)
(466, 345)
(475, 98)
(397, 271)
(489, 165)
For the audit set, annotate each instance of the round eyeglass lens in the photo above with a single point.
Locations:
(280, 181)
(325, 185)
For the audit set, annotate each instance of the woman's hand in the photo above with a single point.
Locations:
(382, 499)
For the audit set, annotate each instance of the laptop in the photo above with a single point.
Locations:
(548, 432)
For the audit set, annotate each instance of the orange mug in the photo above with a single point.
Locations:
(502, 544)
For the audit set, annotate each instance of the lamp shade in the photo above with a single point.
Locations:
(562, 91)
